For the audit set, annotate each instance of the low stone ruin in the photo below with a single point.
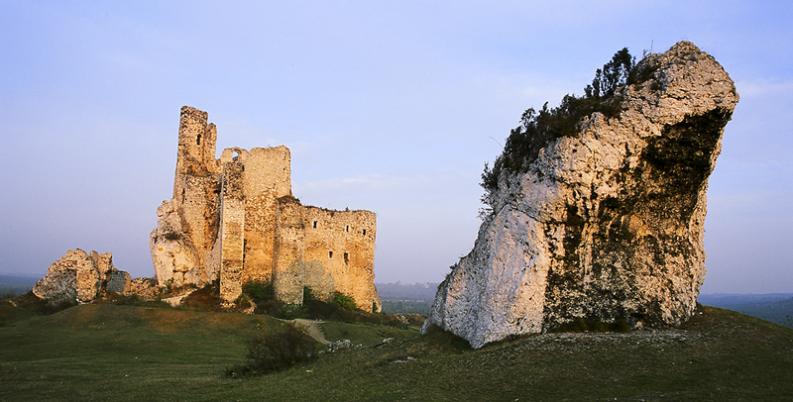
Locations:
(82, 277)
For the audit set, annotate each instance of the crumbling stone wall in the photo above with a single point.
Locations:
(81, 277)
(328, 251)
(234, 220)
(343, 241)
(267, 177)
(289, 252)
(232, 231)
(187, 224)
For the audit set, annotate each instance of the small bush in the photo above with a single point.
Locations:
(263, 295)
(259, 291)
(274, 351)
(344, 301)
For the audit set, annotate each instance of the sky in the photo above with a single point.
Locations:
(388, 106)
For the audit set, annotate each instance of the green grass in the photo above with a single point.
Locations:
(115, 352)
(364, 334)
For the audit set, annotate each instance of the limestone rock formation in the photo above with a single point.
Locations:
(233, 220)
(80, 277)
(175, 262)
(604, 225)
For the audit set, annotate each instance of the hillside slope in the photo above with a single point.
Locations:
(102, 352)
(776, 308)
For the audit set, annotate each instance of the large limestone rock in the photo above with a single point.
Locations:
(604, 225)
(80, 277)
(173, 253)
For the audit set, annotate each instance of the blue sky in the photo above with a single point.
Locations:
(388, 106)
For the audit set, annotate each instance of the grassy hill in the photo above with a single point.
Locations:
(104, 352)
(774, 307)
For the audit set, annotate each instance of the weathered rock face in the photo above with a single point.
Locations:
(604, 225)
(172, 251)
(233, 220)
(80, 277)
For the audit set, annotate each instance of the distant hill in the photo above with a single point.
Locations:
(407, 298)
(407, 291)
(774, 307)
(16, 284)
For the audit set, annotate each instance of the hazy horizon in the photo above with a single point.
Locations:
(387, 107)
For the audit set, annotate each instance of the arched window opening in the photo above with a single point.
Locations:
(330, 254)
(314, 225)
(198, 140)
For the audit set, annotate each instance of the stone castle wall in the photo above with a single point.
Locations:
(234, 220)
(232, 231)
(328, 251)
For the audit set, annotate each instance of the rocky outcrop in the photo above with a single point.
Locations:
(173, 254)
(80, 277)
(604, 225)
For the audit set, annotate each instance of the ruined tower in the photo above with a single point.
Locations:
(234, 220)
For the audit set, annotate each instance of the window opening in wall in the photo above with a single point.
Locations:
(182, 194)
(198, 140)
(315, 224)
(364, 232)
(347, 229)
(346, 258)
(330, 254)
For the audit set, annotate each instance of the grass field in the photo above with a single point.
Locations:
(114, 352)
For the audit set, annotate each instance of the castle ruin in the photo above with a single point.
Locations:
(233, 220)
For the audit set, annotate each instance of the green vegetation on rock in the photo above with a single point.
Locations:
(538, 128)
